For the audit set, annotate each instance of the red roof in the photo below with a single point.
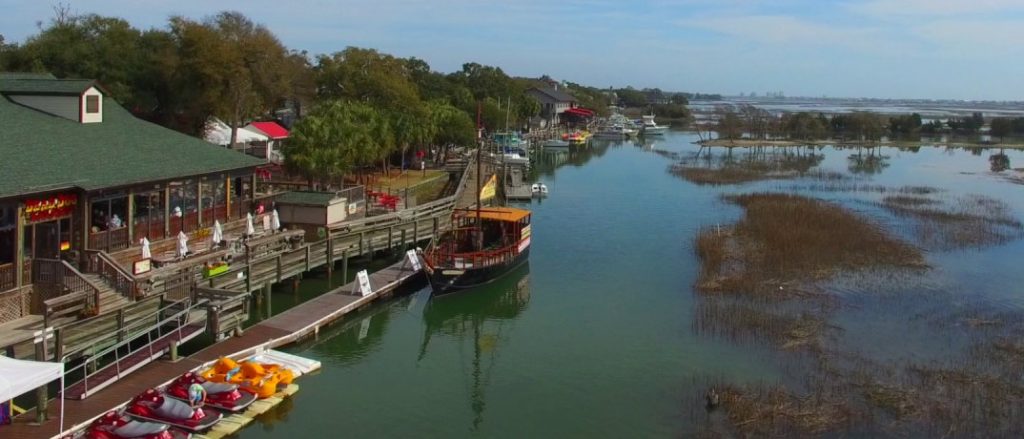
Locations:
(271, 129)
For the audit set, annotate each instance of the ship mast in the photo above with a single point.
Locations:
(479, 178)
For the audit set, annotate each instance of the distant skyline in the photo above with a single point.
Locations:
(915, 49)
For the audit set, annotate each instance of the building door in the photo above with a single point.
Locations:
(49, 238)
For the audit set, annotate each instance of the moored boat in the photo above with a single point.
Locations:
(649, 127)
(482, 245)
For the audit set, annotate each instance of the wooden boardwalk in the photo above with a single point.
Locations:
(292, 325)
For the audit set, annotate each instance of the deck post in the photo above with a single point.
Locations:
(434, 236)
(361, 236)
(266, 293)
(344, 266)
(120, 325)
(416, 232)
(403, 245)
(41, 392)
(330, 257)
(173, 351)
(391, 238)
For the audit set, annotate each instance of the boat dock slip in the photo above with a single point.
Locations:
(515, 187)
(302, 321)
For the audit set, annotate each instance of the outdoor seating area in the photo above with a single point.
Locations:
(383, 199)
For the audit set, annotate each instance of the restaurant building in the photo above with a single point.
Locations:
(79, 173)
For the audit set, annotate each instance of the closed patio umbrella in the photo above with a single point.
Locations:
(275, 221)
(249, 228)
(182, 244)
(145, 249)
(218, 233)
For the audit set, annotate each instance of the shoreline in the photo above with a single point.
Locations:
(746, 143)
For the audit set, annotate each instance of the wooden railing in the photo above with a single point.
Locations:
(8, 276)
(109, 240)
(63, 291)
(439, 256)
(101, 263)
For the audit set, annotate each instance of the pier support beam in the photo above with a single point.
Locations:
(266, 298)
(344, 266)
(42, 396)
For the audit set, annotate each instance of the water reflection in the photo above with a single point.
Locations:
(872, 163)
(551, 159)
(478, 316)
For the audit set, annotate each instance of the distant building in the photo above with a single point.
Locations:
(553, 102)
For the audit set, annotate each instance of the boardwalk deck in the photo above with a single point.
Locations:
(285, 328)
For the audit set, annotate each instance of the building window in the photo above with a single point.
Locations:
(92, 104)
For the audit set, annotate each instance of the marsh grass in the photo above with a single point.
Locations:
(963, 222)
(792, 241)
(792, 329)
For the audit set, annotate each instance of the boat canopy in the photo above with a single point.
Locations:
(505, 214)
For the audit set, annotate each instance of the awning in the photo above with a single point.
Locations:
(18, 377)
(271, 129)
(582, 112)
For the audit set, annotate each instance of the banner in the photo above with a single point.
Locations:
(489, 189)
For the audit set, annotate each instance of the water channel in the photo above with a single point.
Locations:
(596, 337)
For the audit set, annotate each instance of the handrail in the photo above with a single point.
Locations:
(181, 320)
(119, 278)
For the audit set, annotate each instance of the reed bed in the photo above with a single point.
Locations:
(789, 240)
(964, 222)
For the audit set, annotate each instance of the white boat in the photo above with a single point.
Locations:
(650, 128)
(614, 131)
(539, 190)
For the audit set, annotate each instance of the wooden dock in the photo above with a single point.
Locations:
(290, 326)
(515, 187)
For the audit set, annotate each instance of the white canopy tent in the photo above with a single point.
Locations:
(18, 377)
(219, 133)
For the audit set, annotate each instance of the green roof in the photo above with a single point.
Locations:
(42, 152)
(36, 85)
(307, 198)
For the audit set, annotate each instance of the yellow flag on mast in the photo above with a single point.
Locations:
(489, 189)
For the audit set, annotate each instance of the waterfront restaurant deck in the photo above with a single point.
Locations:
(297, 323)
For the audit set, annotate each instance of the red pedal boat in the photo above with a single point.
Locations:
(223, 396)
(114, 425)
(153, 406)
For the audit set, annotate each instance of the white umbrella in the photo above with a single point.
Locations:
(275, 221)
(145, 249)
(182, 244)
(218, 232)
(249, 229)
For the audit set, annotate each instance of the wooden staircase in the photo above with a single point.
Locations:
(110, 300)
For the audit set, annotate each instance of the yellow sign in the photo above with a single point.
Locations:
(525, 233)
(489, 189)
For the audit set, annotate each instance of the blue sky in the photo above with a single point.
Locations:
(960, 49)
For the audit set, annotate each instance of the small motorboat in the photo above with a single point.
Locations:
(154, 406)
(114, 425)
(224, 396)
(539, 190)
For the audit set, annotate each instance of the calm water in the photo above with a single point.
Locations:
(595, 337)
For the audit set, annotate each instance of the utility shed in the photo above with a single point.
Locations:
(310, 210)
